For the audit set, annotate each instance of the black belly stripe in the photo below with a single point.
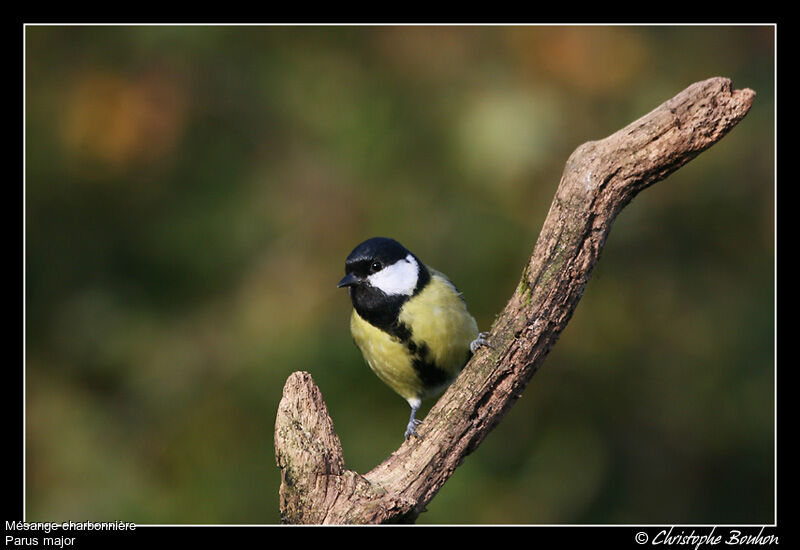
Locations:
(430, 374)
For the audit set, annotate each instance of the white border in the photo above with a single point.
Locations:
(775, 235)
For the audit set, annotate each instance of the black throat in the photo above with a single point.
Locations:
(382, 310)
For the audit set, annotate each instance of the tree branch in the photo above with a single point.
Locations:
(599, 179)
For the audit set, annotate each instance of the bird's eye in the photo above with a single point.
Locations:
(376, 266)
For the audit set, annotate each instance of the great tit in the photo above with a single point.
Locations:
(409, 321)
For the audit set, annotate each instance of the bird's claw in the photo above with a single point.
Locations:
(479, 342)
(411, 429)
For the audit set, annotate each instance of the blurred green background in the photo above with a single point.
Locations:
(192, 193)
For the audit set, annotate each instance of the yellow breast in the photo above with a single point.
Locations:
(441, 329)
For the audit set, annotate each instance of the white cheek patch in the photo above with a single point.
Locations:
(398, 278)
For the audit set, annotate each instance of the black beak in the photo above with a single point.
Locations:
(348, 280)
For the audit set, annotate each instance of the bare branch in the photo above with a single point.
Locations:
(599, 179)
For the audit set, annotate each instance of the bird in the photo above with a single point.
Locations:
(409, 320)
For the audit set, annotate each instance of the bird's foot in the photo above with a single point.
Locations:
(411, 429)
(479, 342)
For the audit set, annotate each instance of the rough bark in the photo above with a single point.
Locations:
(599, 179)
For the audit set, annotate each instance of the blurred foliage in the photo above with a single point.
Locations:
(192, 192)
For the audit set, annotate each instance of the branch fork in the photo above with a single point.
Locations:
(599, 179)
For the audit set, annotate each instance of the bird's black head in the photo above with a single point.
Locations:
(372, 256)
(381, 275)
